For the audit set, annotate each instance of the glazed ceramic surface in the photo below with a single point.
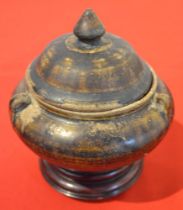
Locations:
(89, 103)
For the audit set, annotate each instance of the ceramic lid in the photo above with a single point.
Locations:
(89, 70)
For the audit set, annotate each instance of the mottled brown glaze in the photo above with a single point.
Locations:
(96, 144)
(88, 103)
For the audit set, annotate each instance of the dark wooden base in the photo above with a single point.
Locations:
(91, 186)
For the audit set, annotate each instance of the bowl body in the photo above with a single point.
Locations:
(91, 145)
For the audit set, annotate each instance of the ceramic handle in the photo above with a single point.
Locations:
(19, 102)
(163, 99)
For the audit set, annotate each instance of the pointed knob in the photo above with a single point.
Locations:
(89, 27)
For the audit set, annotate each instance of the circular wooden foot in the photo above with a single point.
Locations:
(91, 186)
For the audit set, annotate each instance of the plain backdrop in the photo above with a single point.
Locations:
(155, 29)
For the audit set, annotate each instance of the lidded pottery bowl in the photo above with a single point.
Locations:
(91, 108)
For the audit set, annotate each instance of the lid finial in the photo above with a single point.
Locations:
(89, 27)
